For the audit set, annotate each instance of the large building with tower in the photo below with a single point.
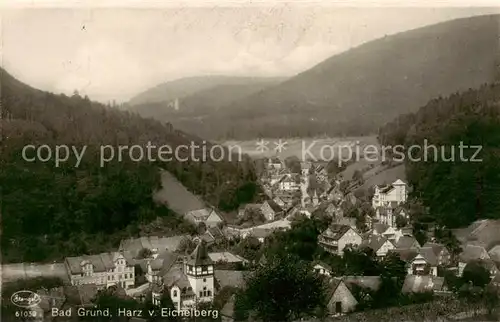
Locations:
(188, 281)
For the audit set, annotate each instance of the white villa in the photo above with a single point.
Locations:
(397, 192)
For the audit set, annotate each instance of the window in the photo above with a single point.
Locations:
(338, 307)
(209, 293)
(201, 294)
(175, 293)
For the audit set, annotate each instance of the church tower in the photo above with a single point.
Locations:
(199, 269)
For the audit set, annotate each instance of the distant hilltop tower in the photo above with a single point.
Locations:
(174, 104)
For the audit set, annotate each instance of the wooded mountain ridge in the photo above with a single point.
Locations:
(49, 212)
(357, 91)
(456, 191)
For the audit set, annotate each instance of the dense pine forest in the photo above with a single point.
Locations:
(49, 212)
(457, 192)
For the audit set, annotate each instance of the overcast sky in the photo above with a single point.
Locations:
(117, 53)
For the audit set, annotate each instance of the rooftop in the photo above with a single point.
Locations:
(335, 231)
(200, 255)
(135, 245)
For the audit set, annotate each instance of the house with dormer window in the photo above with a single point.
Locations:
(103, 270)
(336, 237)
(396, 192)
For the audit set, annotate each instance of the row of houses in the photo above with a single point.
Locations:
(421, 260)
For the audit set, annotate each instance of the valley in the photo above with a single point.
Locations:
(315, 206)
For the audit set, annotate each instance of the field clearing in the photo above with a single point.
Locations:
(21, 271)
(176, 196)
(321, 149)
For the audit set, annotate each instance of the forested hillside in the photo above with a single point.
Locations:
(185, 87)
(195, 107)
(357, 91)
(457, 191)
(49, 212)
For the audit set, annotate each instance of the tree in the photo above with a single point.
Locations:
(144, 253)
(165, 302)
(401, 221)
(249, 248)
(393, 267)
(447, 238)
(361, 262)
(202, 228)
(357, 176)
(476, 274)
(491, 298)
(186, 246)
(113, 299)
(301, 239)
(285, 290)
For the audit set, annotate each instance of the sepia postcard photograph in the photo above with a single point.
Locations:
(263, 161)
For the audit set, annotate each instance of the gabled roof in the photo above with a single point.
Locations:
(230, 278)
(482, 232)
(405, 254)
(176, 277)
(200, 255)
(420, 284)
(374, 242)
(335, 231)
(380, 228)
(496, 278)
(495, 253)
(487, 234)
(429, 255)
(437, 248)
(135, 245)
(473, 252)
(406, 242)
(261, 232)
(100, 262)
(333, 284)
(371, 282)
(386, 189)
(207, 237)
(249, 206)
(226, 257)
(286, 178)
(201, 214)
(215, 232)
(274, 206)
(399, 182)
(163, 262)
(346, 221)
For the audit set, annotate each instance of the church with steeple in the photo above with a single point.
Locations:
(189, 280)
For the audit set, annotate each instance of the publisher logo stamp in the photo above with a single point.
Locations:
(25, 299)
